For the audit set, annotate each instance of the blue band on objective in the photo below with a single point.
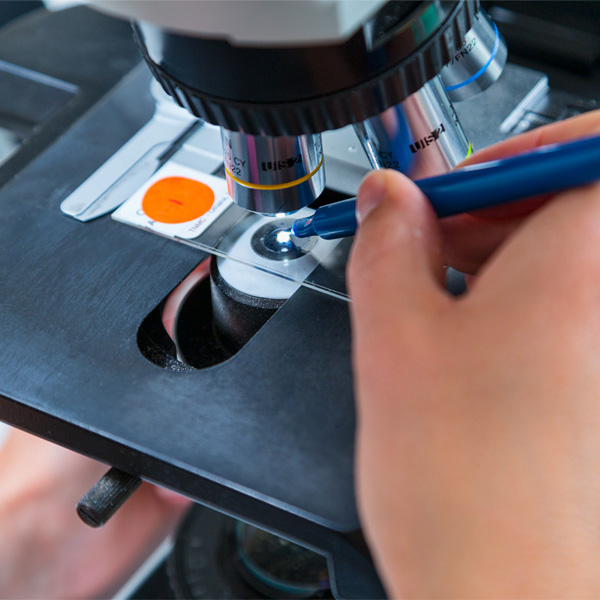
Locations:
(483, 69)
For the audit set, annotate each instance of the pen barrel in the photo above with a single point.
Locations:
(336, 220)
(546, 170)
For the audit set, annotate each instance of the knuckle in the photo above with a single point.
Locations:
(578, 266)
(360, 268)
(370, 268)
(593, 121)
(585, 229)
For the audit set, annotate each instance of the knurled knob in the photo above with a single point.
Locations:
(106, 497)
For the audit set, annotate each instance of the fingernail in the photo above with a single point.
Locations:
(371, 192)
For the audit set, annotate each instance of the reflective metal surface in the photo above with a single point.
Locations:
(277, 567)
(262, 242)
(420, 137)
(9, 142)
(295, 89)
(479, 61)
(406, 25)
(273, 175)
(132, 165)
(275, 241)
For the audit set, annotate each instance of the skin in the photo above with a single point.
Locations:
(45, 550)
(478, 446)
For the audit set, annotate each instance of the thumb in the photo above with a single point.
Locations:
(396, 262)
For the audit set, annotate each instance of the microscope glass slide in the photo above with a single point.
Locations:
(193, 207)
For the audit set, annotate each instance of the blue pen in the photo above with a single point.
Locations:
(543, 170)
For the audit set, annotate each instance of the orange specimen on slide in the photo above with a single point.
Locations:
(177, 200)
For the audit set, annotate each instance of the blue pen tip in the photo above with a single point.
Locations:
(303, 228)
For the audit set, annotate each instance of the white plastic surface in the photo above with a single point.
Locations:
(249, 22)
(4, 431)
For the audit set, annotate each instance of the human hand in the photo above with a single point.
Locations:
(45, 550)
(478, 446)
(468, 240)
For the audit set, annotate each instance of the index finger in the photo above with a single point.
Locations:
(570, 129)
(470, 239)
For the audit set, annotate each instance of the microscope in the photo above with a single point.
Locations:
(212, 355)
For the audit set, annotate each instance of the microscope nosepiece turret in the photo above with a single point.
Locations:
(274, 91)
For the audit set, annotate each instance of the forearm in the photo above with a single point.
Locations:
(32, 528)
(45, 550)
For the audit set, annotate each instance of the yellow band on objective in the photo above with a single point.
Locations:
(469, 152)
(275, 186)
